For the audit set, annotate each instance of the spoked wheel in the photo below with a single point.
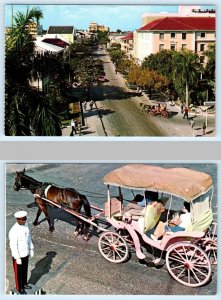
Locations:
(126, 236)
(113, 247)
(210, 248)
(165, 114)
(188, 264)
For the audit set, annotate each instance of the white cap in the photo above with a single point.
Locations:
(20, 214)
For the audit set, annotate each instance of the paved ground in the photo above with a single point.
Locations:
(68, 266)
(118, 113)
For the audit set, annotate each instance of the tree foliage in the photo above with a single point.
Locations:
(23, 103)
(211, 63)
(186, 70)
(162, 62)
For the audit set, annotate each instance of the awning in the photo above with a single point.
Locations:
(181, 182)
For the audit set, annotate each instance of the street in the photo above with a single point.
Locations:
(119, 107)
(118, 112)
(66, 265)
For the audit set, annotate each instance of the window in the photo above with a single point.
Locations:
(184, 36)
(202, 47)
(202, 34)
(161, 47)
(183, 46)
(202, 59)
(161, 36)
(173, 35)
(172, 46)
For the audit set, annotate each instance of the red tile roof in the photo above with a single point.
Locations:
(56, 42)
(129, 36)
(182, 23)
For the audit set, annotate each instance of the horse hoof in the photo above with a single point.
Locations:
(76, 233)
(85, 237)
(35, 223)
(51, 229)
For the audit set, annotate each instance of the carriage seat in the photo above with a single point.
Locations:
(114, 208)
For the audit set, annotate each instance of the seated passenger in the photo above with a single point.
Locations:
(135, 207)
(178, 223)
(152, 216)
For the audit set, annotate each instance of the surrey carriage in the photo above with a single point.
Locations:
(189, 254)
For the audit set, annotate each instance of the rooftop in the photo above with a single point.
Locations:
(129, 36)
(61, 29)
(181, 23)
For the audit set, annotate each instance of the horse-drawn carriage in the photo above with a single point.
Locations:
(156, 110)
(188, 254)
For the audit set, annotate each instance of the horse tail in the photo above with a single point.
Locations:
(86, 205)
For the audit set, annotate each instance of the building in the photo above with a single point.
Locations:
(183, 11)
(116, 38)
(127, 44)
(42, 47)
(175, 33)
(34, 29)
(66, 32)
(94, 27)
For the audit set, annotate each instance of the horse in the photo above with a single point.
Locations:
(66, 197)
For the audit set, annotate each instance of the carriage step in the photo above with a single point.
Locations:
(33, 290)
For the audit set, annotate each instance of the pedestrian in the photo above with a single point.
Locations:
(192, 123)
(181, 108)
(21, 247)
(85, 105)
(91, 104)
(186, 111)
(204, 128)
(79, 128)
(73, 127)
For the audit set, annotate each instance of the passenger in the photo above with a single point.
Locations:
(152, 215)
(178, 223)
(135, 207)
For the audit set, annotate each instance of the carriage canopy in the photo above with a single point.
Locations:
(181, 182)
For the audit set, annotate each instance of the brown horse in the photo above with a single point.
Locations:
(67, 197)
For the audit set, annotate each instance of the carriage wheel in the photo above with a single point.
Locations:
(212, 254)
(210, 248)
(113, 247)
(153, 113)
(188, 264)
(165, 114)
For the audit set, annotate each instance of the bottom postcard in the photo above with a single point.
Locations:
(111, 229)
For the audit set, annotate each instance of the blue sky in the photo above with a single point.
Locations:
(124, 17)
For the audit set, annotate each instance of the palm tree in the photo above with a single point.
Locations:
(186, 68)
(19, 56)
(211, 63)
(18, 37)
(30, 112)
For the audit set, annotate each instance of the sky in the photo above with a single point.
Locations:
(123, 17)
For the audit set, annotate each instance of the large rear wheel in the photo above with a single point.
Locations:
(188, 264)
(113, 247)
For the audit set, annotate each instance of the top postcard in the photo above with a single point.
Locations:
(110, 70)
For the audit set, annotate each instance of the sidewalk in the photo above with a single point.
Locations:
(177, 126)
(93, 125)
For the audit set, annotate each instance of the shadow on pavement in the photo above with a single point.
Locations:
(42, 267)
(116, 93)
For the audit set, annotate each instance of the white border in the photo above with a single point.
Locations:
(141, 297)
(96, 138)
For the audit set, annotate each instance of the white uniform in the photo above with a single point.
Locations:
(20, 241)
